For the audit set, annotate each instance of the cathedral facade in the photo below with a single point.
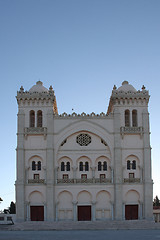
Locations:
(83, 167)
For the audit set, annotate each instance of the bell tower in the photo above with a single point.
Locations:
(36, 109)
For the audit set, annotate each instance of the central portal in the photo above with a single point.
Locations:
(84, 213)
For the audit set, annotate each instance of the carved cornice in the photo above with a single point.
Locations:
(29, 96)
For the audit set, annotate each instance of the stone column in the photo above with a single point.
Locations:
(20, 182)
(140, 210)
(117, 166)
(50, 196)
(74, 173)
(45, 212)
(57, 211)
(56, 174)
(28, 211)
(26, 174)
(74, 211)
(93, 171)
(93, 210)
(112, 210)
(123, 209)
(112, 175)
(148, 183)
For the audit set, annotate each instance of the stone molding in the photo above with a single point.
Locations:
(132, 180)
(131, 130)
(84, 181)
(35, 131)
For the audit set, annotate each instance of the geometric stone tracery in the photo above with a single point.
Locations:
(83, 139)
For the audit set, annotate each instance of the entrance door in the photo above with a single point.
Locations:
(37, 213)
(84, 213)
(131, 212)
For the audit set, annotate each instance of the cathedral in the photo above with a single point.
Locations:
(83, 167)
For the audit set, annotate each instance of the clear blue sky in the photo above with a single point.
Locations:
(82, 48)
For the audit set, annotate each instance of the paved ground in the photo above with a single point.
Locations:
(81, 235)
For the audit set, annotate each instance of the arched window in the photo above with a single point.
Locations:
(127, 118)
(81, 166)
(105, 166)
(86, 166)
(33, 166)
(68, 166)
(128, 165)
(39, 118)
(62, 166)
(32, 119)
(99, 166)
(39, 165)
(134, 164)
(134, 118)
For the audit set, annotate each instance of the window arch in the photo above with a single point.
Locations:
(32, 119)
(39, 165)
(39, 118)
(127, 118)
(105, 166)
(99, 166)
(131, 165)
(62, 166)
(134, 164)
(33, 165)
(81, 166)
(68, 166)
(86, 166)
(134, 118)
(128, 165)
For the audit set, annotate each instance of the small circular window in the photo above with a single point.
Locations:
(83, 139)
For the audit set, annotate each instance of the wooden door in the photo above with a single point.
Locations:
(84, 213)
(131, 212)
(37, 213)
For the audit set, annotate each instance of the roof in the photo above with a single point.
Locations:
(38, 88)
(126, 87)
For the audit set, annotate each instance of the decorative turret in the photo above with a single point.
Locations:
(126, 94)
(37, 93)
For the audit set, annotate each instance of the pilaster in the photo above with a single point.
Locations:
(50, 191)
(148, 184)
(20, 200)
(117, 166)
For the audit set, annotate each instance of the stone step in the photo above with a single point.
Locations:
(96, 225)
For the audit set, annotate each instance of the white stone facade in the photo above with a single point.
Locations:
(83, 166)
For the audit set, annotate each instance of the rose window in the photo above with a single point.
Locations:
(83, 139)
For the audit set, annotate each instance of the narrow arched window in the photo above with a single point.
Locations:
(62, 166)
(39, 118)
(33, 166)
(134, 164)
(68, 166)
(86, 166)
(81, 166)
(39, 166)
(134, 118)
(32, 119)
(105, 166)
(99, 166)
(128, 165)
(127, 118)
